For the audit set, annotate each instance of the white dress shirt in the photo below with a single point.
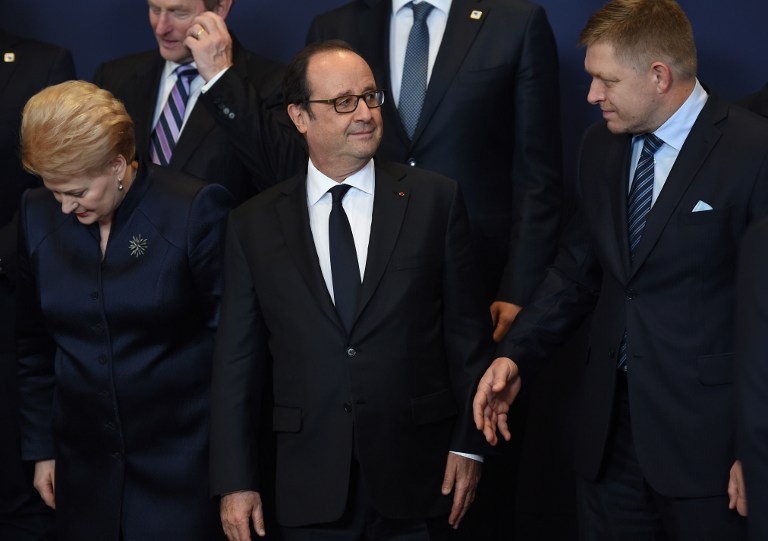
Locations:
(400, 29)
(358, 205)
(673, 132)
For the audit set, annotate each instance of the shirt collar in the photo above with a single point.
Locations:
(318, 184)
(442, 5)
(171, 66)
(677, 127)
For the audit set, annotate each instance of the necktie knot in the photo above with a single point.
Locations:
(651, 144)
(338, 192)
(420, 11)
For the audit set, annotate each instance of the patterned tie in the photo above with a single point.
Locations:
(414, 85)
(168, 127)
(638, 207)
(345, 271)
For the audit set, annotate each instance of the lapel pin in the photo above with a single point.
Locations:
(9, 57)
(401, 194)
(476, 15)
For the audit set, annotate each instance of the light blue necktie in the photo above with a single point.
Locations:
(414, 84)
(638, 207)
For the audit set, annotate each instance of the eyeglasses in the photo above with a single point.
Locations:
(348, 104)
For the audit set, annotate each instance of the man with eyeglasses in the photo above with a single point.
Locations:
(352, 285)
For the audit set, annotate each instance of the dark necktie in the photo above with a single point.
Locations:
(414, 85)
(345, 270)
(166, 132)
(638, 207)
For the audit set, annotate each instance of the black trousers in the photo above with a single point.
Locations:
(361, 522)
(621, 505)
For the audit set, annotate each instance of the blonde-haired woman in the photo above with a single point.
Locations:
(118, 302)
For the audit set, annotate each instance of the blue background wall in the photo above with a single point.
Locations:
(731, 38)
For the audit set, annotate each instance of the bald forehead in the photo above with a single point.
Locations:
(341, 71)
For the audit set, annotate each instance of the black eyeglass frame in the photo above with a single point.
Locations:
(378, 100)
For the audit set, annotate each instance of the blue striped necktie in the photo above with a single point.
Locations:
(638, 207)
(168, 127)
(415, 68)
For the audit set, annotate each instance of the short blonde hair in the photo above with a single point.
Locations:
(644, 31)
(74, 128)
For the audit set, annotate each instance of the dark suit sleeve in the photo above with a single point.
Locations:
(536, 164)
(752, 373)
(239, 369)
(467, 325)
(265, 138)
(205, 232)
(35, 350)
(566, 295)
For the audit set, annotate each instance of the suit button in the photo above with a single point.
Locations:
(610, 353)
(117, 456)
(348, 408)
(109, 425)
(231, 116)
(102, 359)
(630, 294)
(94, 295)
(351, 352)
(97, 328)
(412, 162)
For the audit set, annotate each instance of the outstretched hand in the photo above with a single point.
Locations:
(495, 393)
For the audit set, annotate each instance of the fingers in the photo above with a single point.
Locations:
(462, 475)
(45, 481)
(237, 510)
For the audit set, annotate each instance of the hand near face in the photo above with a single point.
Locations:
(496, 391)
(210, 43)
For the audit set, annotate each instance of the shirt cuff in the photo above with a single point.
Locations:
(477, 458)
(213, 80)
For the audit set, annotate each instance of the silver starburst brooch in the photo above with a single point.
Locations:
(138, 246)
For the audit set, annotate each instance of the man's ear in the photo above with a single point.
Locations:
(300, 117)
(222, 8)
(662, 76)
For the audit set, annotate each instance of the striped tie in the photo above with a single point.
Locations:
(415, 66)
(638, 207)
(168, 127)
(641, 193)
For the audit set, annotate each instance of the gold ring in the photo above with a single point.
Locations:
(197, 35)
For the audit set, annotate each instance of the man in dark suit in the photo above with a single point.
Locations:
(668, 183)
(372, 378)
(27, 67)
(491, 121)
(144, 82)
(752, 375)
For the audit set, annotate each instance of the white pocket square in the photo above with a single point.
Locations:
(701, 206)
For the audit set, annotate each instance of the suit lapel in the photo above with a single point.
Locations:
(699, 143)
(294, 222)
(460, 33)
(617, 169)
(389, 205)
(144, 103)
